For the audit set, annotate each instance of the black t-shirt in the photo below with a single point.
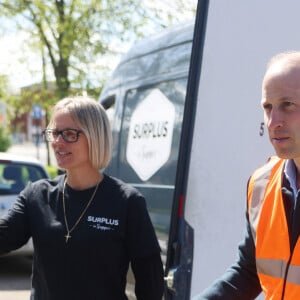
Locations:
(93, 264)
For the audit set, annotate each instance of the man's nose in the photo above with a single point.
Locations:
(275, 119)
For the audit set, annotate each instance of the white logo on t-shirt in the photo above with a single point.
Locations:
(102, 223)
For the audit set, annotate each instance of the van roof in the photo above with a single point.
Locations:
(166, 38)
(161, 55)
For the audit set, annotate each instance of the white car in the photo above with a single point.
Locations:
(15, 172)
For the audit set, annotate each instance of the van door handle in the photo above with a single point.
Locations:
(170, 279)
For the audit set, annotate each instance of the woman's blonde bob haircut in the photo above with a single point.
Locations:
(92, 119)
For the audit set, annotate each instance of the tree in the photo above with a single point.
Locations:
(4, 139)
(73, 35)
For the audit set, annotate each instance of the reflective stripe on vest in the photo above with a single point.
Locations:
(270, 233)
(256, 191)
(277, 268)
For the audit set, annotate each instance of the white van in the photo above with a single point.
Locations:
(188, 129)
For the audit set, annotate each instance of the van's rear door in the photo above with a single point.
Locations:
(221, 142)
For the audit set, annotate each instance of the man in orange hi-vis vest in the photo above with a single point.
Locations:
(269, 256)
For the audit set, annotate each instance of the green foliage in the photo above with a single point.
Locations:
(52, 171)
(74, 37)
(5, 140)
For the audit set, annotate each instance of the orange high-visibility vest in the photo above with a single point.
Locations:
(278, 269)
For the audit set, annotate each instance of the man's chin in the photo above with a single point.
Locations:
(283, 155)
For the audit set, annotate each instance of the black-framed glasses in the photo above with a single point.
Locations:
(69, 135)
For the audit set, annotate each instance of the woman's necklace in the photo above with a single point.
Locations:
(68, 235)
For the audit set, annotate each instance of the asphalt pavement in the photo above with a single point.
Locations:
(15, 272)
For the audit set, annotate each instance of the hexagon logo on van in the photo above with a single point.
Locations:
(150, 134)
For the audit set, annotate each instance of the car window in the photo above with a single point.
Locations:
(15, 176)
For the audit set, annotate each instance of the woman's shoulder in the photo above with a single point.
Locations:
(47, 184)
(117, 185)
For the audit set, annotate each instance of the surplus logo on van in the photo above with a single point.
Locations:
(150, 134)
(150, 130)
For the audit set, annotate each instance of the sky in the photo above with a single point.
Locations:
(12, 52)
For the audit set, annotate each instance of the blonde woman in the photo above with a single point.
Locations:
(86, 226)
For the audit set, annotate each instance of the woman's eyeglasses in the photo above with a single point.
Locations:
(68, 135)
